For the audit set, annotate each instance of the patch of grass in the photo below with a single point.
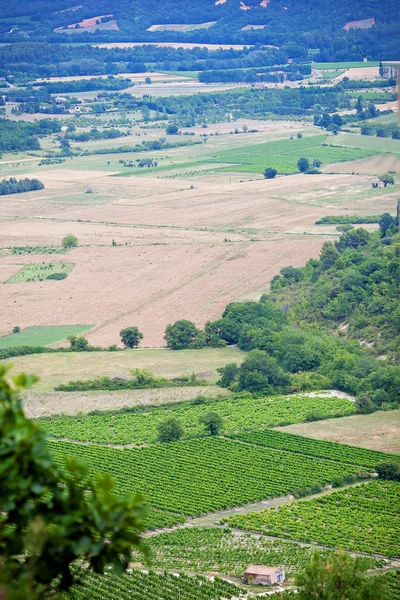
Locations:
(332, 74)
(42, 335)
(343, 65)
(41, 272)
(366, 143)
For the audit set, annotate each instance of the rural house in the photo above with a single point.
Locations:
(259, 574)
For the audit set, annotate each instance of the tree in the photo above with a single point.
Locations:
(381, 70)
(260, 373)
(387, 179)
(147, 80)
(172, 129)
(303, 165)
(329, 255)
(212, 422)
(341, 577)
(344, 228)
(170, 430)
(78, 343)
(16, 329)
(130, 337)
(184, 334)
(299, 135)
(229, 374)
(389, 470)
(52, 517)
(270, 173)
(69, 241)
(385, 222)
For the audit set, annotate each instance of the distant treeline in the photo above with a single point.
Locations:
(18, 186)
(86, 85)
(95, 134)
(348, 219)
(273, 75)
(16, 136)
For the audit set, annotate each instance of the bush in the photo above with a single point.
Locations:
(212, 422)
(69, 241)
(16, 329)
(57, 276)
(270, 173)
(170, 430)
(389, 471)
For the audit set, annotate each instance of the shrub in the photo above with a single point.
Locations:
(57, 276)
(170, 430)
(270, 173)
(16, 329)
(69, 241)
(212, 422)
(389, 471)
(303, 165)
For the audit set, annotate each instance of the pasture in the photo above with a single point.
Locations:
(38, 335)
(35, 272)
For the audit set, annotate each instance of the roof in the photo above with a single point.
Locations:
(261, 570)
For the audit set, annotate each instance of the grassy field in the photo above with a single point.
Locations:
(284, 154)
(40, 272)
(367, 143)
(41, 336)
(379, 431)
(55, 369)
(343, 65)
(332, 74)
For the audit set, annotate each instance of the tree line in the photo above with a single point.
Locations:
(18, 186)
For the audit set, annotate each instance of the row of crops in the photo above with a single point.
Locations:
(365, 518)
(140, 426)
(218, 550)
(204, 475)
(302, 445)
(137, 585)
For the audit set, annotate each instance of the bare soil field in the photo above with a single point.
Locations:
(185, 247)
(45, 404)
(60, 368)
(378, 431)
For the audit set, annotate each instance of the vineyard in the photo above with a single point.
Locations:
(140, 426)
(148, 586)
(201, 475)
(41, 272)
(217, 550)
(365, 518)
(302, 445)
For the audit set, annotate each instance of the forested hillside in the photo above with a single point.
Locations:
(301, 24)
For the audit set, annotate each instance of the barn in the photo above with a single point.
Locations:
(259, 574)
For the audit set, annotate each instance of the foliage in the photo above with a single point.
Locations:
(303, 164)
(142, 379)
(341, 576)
(270, 173)
(130, 337)
(69, 241)
(184, 334)
(389, 470)
(16, 329)
(387, 179)
(212, 422)
(260, 374)
(14, 186)
(139, 425)
(48, 518)
(355, 519)
(207, 471)
(16, 136)
(348, 219)
(170, 430)
(78, 343)
(172, 129)
(57, 276)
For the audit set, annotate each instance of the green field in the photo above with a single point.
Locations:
(331, 74)
(344, 65)
(40, 272)
(198, 476)
(218, 550)
(41, 335)
(138, 585)
(365, 518)
(284, 154)
(367, 143)
(140, 426)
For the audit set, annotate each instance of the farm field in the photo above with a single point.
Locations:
(340, 515)
(42, 336)
(149, 586)
(367, 142)
(220, 550)
(197, 476)
(138, 427)
(378, 431)
(181, 27)
(328, 66)
(41, 272)
(57, 369)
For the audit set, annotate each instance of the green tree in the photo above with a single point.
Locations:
(212, 422)
(172, 129)
(329, 255)
(381, 70)
(385, 222)
(78, 343)
(130, 337)
(338, 578)
(170, 430)
(260, 373)
(389, 470)
(270, 173)
(303, 164)
(184, 334)
(52, 517)
(229, 375)
(69, 241)
(16, 329)
(147, 81)
(387, 179)
(344, 228)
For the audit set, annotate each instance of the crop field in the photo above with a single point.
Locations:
(284, 154)
(181, 27)
(378, 431)
(181, 232)
(364, 518)
(41, 272)
(328, 66)
(140, 426)
(42, 336)
(197, 476)
(329, 450)
(367, 143)
(218, 550)
(149, 586)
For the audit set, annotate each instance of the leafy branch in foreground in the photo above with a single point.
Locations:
(49, 517)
